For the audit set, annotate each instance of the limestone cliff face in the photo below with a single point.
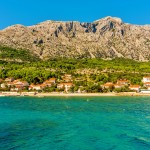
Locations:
(105, 38)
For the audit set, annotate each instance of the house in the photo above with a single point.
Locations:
(11, 79)
(108, 85)
(43, 86)
(123, 82)
(146, 79)
(60, 85)
(67, 78)
(10, 84)
(145, 91)
(146, 84)
(80, 89)
(3, 85)
(21, 83)
(118, 86)
(35, 87)
(16, 88)
(17, 85)
(52, 80)
(135, 87)
(47, 83)
(66, 86)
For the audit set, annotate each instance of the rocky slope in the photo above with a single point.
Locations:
(105, 38)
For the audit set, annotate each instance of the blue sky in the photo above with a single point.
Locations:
(29, 12)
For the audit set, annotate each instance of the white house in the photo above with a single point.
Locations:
(118, 86)
(60, 86)
(35, 87)
(135, 87)
(9, 79)
(67, 78)
(67, 86)
(145, 91)
(21, 83)
(3, 85)
(146, 84)
(146, 79)
(123, 82)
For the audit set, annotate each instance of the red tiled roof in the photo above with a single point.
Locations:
(117, 85)
(134, 86)
(47, 82)
(68, 83)
(147, 83)
(43, 85)
(18, 86)
(11, 83)
(32, 85)
(52, 79)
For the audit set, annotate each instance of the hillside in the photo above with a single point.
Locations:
(105, 38)
(93, 70)
(16, 55)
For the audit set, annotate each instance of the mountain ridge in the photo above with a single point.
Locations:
(106, 38)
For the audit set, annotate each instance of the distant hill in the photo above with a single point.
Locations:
(105, 38)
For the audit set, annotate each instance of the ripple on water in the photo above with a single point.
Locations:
(21, 133)
(107, 123)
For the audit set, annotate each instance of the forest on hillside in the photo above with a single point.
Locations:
(32, 69)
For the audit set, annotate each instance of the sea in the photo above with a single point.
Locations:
(75, 123)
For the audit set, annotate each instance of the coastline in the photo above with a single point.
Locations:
(71, 94)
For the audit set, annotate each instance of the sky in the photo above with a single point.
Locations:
(31, 12)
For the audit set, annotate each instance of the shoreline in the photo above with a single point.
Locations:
(32, 94)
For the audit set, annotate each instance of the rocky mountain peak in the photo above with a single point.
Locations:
(108, 37)
(110, 19)
(13, 27)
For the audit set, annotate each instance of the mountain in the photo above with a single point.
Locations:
(105, 38)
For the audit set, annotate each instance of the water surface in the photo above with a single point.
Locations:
(75, 123)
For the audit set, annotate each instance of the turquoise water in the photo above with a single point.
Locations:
(93, 123)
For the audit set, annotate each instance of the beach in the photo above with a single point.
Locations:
(71, 94)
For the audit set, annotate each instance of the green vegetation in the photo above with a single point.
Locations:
(20, 55)
(105, 70)
(90, 72)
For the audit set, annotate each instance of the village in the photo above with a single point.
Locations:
(67, 83)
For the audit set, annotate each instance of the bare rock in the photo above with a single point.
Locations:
(108, 37)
